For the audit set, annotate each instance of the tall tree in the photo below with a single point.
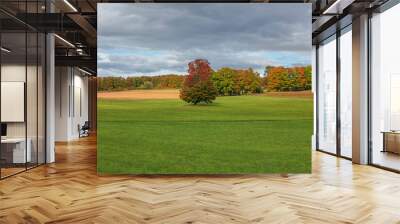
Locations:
(248, 81)
(224, 81)
(198, 86)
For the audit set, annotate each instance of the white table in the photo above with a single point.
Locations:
(19, 153)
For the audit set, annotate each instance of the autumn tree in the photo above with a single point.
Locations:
(248, 81)
(198, 86)
(288, 78)
(224, 81)
(230, 82)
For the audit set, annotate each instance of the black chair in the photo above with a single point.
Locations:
(84, 130)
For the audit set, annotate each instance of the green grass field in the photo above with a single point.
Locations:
(241, 134)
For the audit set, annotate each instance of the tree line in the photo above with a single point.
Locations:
(227, 81)
(288, 78)
(231, 82)
(111, 83)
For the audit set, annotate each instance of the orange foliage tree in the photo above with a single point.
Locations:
(288, 78)
(198, 86)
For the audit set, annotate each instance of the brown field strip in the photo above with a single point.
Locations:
(140, 94)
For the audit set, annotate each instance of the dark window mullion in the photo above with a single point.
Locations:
(317, 97)
(369, 88)
(338, 110)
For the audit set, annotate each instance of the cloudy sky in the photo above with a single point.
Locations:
(153, 39)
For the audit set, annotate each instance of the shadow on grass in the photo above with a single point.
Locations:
(202, 104)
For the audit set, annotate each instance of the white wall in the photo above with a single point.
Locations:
(71, 102)
(62, 82)
(81, 94)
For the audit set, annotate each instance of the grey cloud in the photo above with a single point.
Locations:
(130, 65)
(225, 34)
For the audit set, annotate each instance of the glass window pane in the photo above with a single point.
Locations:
(386, 89)
(23, 90)
(31, 97)
(346, 93)
(14, 153)
(41, 98)
(327, 96)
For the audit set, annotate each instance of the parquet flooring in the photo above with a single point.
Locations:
(70, 191)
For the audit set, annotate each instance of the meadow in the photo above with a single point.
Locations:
(233, 135)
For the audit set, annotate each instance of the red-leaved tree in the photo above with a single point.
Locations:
(198, 86)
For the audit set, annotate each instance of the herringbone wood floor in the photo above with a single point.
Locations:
(69, 191)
